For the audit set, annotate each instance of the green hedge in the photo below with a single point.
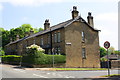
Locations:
(11, 59)
(43, 59)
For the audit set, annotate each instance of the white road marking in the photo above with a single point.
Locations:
(40, 76)
(19, 70)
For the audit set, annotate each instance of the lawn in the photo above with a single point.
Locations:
(112, 75)
(77, 69)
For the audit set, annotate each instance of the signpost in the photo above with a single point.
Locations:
(107, 45)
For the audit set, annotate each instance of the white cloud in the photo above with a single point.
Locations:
(107, 17)
(30, 2)
(1, 7)
(43, 2)
(108, 24)
(96, 0)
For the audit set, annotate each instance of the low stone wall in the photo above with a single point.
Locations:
(115, 64)
(60, 65)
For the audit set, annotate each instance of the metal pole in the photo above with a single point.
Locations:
(108, 64)
(53, 57)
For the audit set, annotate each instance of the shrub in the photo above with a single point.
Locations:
(34, 49)
(43, 59)
(35, 55)
(2, 52)
(14, 59)
(103, 59)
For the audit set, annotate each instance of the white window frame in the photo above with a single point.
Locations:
(55, 37)
(83, 36)
(41, 41)
(58, 36)
(83, 53)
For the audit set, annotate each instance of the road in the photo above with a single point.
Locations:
(9, 71)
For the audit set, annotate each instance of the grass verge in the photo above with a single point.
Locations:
(112, 75)
(76, 69)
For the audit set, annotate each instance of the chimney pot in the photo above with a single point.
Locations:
(90, 19)
(31, 32)
(46, 24)
(89, 13)
(74, 12)
(17, 37)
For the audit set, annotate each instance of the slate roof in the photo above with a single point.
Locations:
(112, 56)
(58, 26)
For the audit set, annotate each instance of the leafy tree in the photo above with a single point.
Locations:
(102, 52)
(40, 29)
(2, 52)
(4, 36)
(26, 27)
(111, 50)
(117, 52)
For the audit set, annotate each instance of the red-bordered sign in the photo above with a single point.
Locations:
(106, 44)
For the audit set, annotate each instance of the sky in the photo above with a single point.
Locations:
(14, 13)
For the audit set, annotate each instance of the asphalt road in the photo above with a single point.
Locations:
(16, 72)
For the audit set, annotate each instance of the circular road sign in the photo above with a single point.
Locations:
(106, 44)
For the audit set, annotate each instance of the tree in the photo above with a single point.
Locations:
(4, 36)
(117, 52)
(111, 50)
(102, 52)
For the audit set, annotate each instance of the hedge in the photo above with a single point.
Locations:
(43, 59)
(11, 59)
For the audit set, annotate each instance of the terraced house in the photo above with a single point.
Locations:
(76, 38)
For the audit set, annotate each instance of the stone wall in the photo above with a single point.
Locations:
(74, 45)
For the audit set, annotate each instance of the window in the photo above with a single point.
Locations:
(83, 53)
(55, 37)
(34, 41)
(59, 51)
(49, 51)
(83, 36)
(48, 38)
(56, 51)
(58, 37)
(41, 41)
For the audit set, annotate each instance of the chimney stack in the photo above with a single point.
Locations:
(17, 37)
(74, 12)
(46, 24)
(90, 19)
(10, 40)
(31, 32)
(26, 34)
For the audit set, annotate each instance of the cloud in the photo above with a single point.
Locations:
(92, 1)
(107, 17)
(1, 7)
(30, 2)
(108, 24)
(43, 2)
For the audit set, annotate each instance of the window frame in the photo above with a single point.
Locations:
(55, 37)
(41, 41)
(58, 37)
(84, 53)
(83, 36)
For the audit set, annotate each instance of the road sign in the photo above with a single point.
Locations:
(106, 44)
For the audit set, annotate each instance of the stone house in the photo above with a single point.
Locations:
(75, 38)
